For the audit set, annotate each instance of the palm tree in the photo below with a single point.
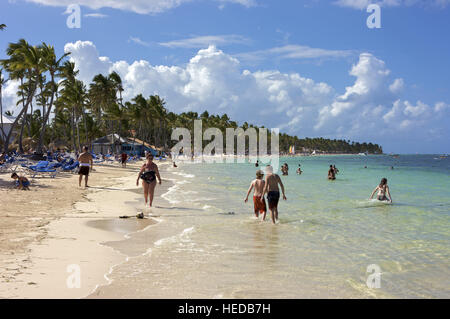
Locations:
(24, 63)
(52, 65)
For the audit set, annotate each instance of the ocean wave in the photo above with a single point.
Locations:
(183, 237)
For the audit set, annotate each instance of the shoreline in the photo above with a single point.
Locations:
(73, 241)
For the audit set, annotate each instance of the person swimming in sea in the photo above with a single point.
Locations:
(299, 169)
(383, 190)
(273, 192)
(257, 163)
(258, 199)
(285, 169)
(21, 182)
(148, 173)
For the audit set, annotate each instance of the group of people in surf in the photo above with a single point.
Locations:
(272, 183)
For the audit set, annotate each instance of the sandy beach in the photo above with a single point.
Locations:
(57, 228)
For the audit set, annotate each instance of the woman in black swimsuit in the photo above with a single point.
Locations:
(148, 173)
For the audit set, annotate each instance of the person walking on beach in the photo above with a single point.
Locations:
(148, 173)
(273, 192)
(331, 173)
(258, 199)
(124, 157)
(382, 189)
(86, 164)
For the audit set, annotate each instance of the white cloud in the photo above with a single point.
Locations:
(215, 81)
(95, 15)
(362, 4)
(137, 6)
(87, 59)
(9, 96)
(139, 41)
(205, 41)
(441, 106)
(416, 110)
(397, 86)
(245, 3)
(293, 52)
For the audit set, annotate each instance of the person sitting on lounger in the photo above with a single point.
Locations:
(21, 182)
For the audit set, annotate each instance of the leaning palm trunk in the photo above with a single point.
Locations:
(13, 126)
(24, 121)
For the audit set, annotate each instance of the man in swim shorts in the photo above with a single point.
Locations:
(86, 164)
(273, 192)
(259, 205)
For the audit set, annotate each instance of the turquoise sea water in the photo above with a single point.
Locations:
(329, 232)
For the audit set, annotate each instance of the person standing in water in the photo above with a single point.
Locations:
(273, 192)
(148, 173)
(331, 173)
(259, 205)
(382, 189)
(86, 164)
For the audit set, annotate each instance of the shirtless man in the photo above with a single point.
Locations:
(258, 199)
(86, 164)
(273, 192)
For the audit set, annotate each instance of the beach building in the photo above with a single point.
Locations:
(6, 126)
(115, 144)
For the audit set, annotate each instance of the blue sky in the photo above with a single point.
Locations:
(312, 68)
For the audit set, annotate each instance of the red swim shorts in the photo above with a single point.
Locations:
(260, 207)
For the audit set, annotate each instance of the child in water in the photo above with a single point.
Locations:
(382, 189)
(259, 204)
(21, 182)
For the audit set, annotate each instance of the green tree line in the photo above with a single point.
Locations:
(54, 107)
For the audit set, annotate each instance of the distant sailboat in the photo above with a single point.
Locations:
(364, 154)
(292, 149)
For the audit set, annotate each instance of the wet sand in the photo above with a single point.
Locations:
(57, 230)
